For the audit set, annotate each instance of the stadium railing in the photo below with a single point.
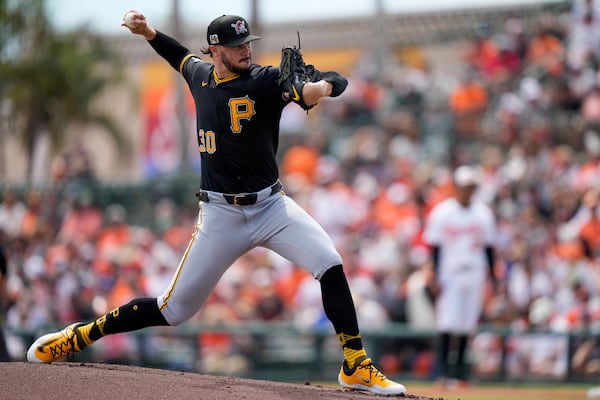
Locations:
(287, 352)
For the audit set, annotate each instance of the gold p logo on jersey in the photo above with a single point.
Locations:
(240, 108)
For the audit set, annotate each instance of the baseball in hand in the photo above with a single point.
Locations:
(128, 19)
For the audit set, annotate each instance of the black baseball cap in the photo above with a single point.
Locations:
(229, 31)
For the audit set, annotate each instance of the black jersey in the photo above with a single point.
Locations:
(238, 126)
(237, 120)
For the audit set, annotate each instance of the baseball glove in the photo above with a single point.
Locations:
(293, 75)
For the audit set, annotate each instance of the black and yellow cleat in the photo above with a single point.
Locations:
(367, 377)
(55, 346)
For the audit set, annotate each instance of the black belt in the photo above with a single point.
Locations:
(241, 199)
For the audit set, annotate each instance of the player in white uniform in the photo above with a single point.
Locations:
(461, 233)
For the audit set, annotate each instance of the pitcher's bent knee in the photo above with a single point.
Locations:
(173, 313)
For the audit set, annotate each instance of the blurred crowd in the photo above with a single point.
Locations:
(369, 166)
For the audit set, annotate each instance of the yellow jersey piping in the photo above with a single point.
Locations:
(179, 269)
(226, 79)
(184, 60)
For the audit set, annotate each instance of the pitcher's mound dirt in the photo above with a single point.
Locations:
(89, 381)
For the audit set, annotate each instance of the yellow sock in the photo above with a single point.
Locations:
(351, 355)
(84, 331)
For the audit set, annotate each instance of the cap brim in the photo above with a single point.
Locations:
(242, 40)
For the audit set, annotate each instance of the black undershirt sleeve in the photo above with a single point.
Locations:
(3, 264)
(435, 259)
(490, 254)
(169, 49)
(587, 249)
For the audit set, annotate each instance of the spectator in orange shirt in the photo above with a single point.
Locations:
(546, 52)
(395, 209)
(302, 159)
(483, 55)
(114, 236)
(468, 102)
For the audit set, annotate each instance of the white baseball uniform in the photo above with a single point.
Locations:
(462, 234)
